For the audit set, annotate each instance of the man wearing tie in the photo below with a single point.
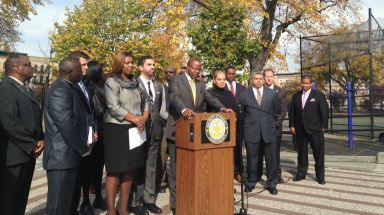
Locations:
(187, 97)
(154, 93)
(21, 135)
(269, 77)
(84, 179)
(230, 76)
(236, 89)
(261, 108)
(308, 119)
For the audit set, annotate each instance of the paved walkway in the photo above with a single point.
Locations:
(345, 192)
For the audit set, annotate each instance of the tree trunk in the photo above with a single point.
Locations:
(257, 63)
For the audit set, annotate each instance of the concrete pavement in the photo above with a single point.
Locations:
(354, 184)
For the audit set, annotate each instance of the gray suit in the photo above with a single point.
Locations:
(154, 130)
(180, 95)
(66, 122)
(260, 131)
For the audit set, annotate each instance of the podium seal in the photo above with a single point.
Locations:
(216, 129)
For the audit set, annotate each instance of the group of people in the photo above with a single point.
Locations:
(126, 123)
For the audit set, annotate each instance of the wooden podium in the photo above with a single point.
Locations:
(204, 170)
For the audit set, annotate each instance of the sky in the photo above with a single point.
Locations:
(34, 33)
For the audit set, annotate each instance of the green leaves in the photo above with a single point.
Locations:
(11, 14)
(219, 36)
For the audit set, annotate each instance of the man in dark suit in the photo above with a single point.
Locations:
(86, 166)
(67, 136)
(308, 118)
(21, 135)
(187, 97)
(154, 93)
(236, 89)
(269, 78)
(261, 108)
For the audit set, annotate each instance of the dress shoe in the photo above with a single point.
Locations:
(298, 178)
(100, 204)
(280, 180)
(151, 207)
(322, 182)
(238, 178)
(249, 189)
(86, 208)
(138, 211)
(272, 190)
(173, 211)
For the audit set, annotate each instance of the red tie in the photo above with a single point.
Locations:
(232, 89)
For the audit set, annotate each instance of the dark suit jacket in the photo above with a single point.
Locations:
(154, 124)
(66, 124)
(239, 90)
(282, 94)
(260, 120)
(20, 123)
(314, 117)
(180, 95)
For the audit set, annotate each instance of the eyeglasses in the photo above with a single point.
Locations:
(201, 76)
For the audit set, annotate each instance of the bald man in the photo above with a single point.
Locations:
(67, 128)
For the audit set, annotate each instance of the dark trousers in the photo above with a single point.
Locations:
(164, 157)
(317, 144)
(83, 180)
(146, 188)
(237, 157)
(61, 187)
(97, 165)
(253, 162)
(172, 173)
(261, 159)
(15, 183)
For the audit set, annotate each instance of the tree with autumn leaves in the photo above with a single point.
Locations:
(11, 14)
(167, 29)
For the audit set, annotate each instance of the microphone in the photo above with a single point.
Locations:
(264, 111)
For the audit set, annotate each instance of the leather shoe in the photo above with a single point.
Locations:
(322, 182)
(280, 180)
(249, 189)
(138, 211)
(298, 178)
(151, 207)
(86, 208)
(100, 204)
(272, 190)
(173, 211)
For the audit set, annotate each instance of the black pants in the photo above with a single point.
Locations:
(253, 162)
(261, 159)
(15, 183)
(172, 173)
(61, 187)
(317, 144)
(83, 180)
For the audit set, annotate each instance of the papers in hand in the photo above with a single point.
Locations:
(136, 138)
(89, 142)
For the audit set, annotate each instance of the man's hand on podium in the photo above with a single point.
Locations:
(227, 110)
(188, 113)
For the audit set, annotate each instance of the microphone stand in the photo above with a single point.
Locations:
(240, 112)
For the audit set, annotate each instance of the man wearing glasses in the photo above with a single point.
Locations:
(21, 135)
